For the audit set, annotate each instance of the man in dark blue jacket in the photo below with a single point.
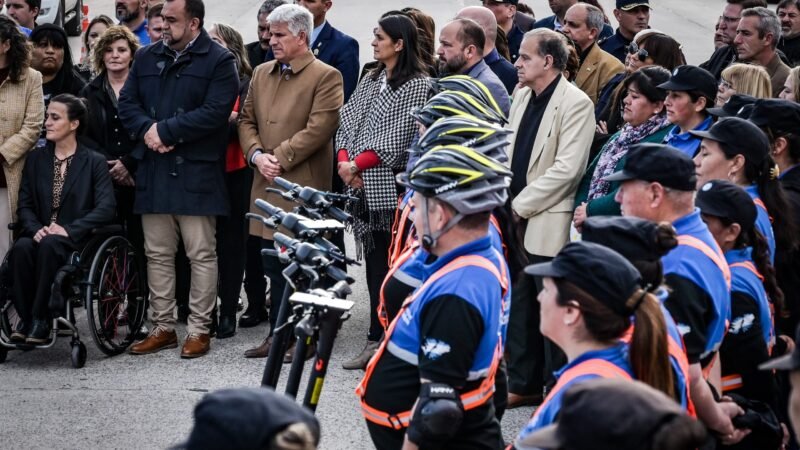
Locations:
(333, 47)
(176, 103)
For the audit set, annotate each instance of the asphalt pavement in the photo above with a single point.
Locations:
(146, 402)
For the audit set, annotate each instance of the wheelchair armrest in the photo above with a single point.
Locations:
(107, 229)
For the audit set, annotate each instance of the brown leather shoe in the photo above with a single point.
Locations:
(516, 400)
(261, 351)
(289, 356)
(158, 339)
(196, 345)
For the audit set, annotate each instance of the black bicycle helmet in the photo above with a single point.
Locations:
(483, 137)
(469, 85)
(458, 104)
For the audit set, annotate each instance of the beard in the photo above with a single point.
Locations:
(125, 16)
(455, 65)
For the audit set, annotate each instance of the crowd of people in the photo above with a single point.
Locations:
(539, 204)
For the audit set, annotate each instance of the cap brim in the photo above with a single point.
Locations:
(673, 86)
(636, 5)
(544, 269)
(545, 438)
(709, 208)
(719, 112)
(620, 176)
(785, 362)
(706, 135)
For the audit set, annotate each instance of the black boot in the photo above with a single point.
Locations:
(226, 327)
(40, 332)
(252, 318)
(20, 332)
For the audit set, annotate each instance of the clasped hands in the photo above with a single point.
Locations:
(53, 228)
(119, 173)
(352, 179)
(268, 166)
(153, 141)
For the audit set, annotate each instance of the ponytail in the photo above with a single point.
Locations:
(760, 247)
(774, 198)
(649, 349)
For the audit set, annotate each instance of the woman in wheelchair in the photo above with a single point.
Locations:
(66, 192)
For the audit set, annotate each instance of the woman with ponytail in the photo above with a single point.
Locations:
(731, 216)
(738, 151)
(590, 298)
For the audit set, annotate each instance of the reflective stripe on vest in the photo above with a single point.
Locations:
(714, 254)
(748, 265)
(471, 399)
(732, 382)
(761, 205)
(383, 316)
(595, 366)
(399, 232)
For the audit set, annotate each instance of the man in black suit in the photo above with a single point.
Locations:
(333, 47)
(259, 51)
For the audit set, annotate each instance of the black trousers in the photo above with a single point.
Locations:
(232, 240)
(531, 357)
(255, 280)
(273, 268)
(33, 267)
(132, 223)
(377, 266)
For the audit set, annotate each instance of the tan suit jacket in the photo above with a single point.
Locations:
(293, 115)
(597, 69)
(22, 118)
(558, 159)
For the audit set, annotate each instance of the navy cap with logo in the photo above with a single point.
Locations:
(740, 137)
(721, 198)
(780, 116)
(634, 238)
(733, 106)
(785, 362)
(510, 2)
(596, 269)
(589, 421)
(627, 5)
(658, 163)
(692, 78)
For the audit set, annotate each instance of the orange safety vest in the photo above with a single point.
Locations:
(471, 399)
(399, 233)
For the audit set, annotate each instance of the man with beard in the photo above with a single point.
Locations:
(633, 16)
(133, 14)
(259, 51)
(789, 15)
(461, 45)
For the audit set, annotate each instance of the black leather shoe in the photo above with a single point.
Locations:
(226, 327)
(20, 332)
(251, 319)
(40, 332)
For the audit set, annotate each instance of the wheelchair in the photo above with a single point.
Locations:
(108, 277)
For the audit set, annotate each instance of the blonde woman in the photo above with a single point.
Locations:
(791, 89)
(743, 79)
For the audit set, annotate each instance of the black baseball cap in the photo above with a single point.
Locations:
(785, 362)
(740, 137)
(596, 269)
(733, 106)
(658, 163)
(245, 418)
(780, 116)
(632, 237)
(589, 421)
(692, 78)
(627, 5)
(721, 198)
(511, 2)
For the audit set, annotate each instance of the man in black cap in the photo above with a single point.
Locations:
(633, 16)
(658, 185)
(691, 91)
(638, 417)
(790, 362)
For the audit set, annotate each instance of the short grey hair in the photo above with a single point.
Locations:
(298, 19)
(549, 42)
(268, 6)
(595, 19)
(768, 23)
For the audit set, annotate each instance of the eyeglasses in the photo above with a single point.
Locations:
(725, 84)
(642, 54)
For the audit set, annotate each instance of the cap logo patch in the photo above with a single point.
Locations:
(707, 187)
(675, 72)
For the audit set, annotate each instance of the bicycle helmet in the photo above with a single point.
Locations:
(465, 83)
(456, 103)
(471, 183)
(483, 137)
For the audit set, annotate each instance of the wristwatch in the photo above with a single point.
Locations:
(353, 167)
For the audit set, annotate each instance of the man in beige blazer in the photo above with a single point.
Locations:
(583, 24)
(553, 125)
(286, 128)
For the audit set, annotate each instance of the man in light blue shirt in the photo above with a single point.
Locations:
(461, 44)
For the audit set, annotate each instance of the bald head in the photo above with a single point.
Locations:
(485, 18)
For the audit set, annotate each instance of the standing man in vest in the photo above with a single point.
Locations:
(504, 70)
(658, 184)
(583, 24)
(431, 382)
(333, 47)
(176, 103)
(553, 125)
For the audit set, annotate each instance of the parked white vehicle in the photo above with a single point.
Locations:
(64, 13)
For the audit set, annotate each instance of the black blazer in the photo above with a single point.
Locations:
(87, 199)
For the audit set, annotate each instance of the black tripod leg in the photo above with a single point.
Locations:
(329, 327)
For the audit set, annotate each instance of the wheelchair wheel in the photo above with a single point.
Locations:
(78, 354)
(116, 295)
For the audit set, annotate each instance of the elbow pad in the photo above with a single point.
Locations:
(437, 417)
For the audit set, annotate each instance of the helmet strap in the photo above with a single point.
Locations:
(429, 239)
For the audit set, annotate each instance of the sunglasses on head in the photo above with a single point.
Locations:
(641, 53)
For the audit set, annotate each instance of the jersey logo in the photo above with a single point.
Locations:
(742, 324)
(435, 349)
(683, 329)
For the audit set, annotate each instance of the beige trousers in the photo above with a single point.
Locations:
(161, 236)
